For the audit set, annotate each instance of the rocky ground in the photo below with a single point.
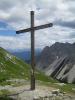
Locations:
(21, 91)
(40, 93)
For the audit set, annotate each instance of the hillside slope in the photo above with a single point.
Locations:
(13, 67)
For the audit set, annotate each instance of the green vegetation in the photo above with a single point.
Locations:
(70, 88)
(12, 67)
(42, 77)
(5, 98)
(4, 92)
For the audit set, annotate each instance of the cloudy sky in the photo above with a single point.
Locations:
(15, 15)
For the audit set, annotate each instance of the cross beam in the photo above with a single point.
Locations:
(32, 29)
(35, 28)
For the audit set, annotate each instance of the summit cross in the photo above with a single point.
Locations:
(32, 30)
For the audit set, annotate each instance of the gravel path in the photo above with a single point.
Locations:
(40, 93)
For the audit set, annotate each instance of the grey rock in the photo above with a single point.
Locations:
(58, 61)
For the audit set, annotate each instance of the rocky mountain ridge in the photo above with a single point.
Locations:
(58, 61)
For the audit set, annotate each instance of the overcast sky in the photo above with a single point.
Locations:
(15, 15)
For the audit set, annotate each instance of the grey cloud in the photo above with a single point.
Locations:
(69, 0)
(15, 18)
(72, 35)
(6, 5)
(71, 5)
(18, 15)
(68, 24)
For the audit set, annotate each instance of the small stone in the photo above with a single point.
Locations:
(60, 94)
(56, 92)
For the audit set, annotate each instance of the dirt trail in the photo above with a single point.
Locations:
(40, 93)
(24, 92)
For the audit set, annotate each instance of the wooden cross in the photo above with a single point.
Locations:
(32, 29)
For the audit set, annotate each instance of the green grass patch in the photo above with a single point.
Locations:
(4, 92)
(5, 98)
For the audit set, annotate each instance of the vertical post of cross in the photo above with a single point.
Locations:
(32, 53)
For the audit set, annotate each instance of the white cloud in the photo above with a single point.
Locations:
(17, 14)
(15, 42)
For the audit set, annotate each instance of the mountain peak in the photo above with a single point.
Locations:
(60, 57)
(46, 48)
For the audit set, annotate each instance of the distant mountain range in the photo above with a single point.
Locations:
(26, 54)
(58, 61)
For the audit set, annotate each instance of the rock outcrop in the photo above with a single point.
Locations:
(58, 61)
